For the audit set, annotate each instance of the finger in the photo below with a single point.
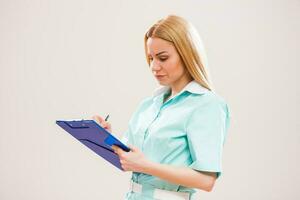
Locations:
(101, 122)
(98, 119)
(121, 153)
(133, 148)
(124, 166)
(123, 162)
(116, 149)
(105, 125)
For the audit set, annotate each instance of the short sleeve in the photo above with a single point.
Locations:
(206, 133)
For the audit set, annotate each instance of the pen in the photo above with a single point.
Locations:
(106, 118)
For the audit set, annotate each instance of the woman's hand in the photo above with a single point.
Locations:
(106, 125)
(134, 160)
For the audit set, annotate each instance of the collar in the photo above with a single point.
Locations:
(192, 87)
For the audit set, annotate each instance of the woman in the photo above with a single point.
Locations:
(176, 136)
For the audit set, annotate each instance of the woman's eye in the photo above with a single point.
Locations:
(163, 59)
(160, 58)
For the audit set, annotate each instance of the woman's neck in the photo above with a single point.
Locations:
(178, 85)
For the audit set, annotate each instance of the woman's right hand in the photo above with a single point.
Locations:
(106, 125)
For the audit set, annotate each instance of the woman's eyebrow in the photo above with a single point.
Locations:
(161, 53)
(158, 53)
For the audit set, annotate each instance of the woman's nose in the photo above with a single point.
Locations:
(155, 66)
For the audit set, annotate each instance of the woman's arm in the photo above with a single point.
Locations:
(182, 176)
(136, 161)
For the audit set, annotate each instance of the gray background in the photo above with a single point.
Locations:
(73, 59)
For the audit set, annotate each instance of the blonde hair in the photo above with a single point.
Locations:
(187, 42)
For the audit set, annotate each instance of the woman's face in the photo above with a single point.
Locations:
(165, 63)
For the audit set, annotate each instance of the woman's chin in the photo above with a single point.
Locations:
(163, 83)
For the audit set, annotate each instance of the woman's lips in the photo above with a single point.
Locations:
(159, 76)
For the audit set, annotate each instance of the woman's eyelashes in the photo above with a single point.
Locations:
(162, 59)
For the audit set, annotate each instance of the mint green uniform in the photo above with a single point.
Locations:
(187, 130)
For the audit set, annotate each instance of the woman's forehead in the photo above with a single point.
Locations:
(157, 45)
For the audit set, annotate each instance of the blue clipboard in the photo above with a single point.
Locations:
(95, 137)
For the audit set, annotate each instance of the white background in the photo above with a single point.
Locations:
(62, 59)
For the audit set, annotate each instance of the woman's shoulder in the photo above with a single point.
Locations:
(210, 99)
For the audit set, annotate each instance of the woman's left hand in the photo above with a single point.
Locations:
(133, 160)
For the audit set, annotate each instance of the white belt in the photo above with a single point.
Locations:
(160, 194)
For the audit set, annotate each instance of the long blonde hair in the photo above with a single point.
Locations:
(188, 44)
